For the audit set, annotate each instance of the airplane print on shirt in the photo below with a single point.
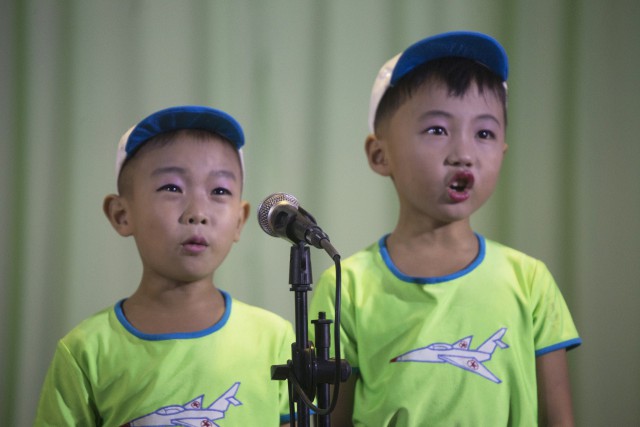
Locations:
(459, 354)
(191, 414)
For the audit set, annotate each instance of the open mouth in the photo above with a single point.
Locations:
(460, 185)
(462, 181)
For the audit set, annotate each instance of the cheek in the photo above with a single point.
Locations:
(497, 163)
(155, 224)
(492, 174)
(237, 225)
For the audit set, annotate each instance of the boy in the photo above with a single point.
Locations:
(443, 326)
(179, 351)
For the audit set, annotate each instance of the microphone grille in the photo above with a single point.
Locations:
(265, 207)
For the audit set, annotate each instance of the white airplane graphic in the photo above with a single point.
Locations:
(458, 354)
(191, 414)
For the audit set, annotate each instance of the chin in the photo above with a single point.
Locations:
(193, 276)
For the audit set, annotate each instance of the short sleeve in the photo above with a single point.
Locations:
(65, 398)
(553, 325)
(284, 355)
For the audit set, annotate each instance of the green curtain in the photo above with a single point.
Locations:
(74, 75)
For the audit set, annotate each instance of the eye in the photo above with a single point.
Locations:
(436, 130)
(171, 188)
(486, 134)
(220, 191)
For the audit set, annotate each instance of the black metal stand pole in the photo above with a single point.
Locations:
(323, 343)
(312, 374)
(300, 278)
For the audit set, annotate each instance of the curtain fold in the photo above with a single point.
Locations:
(74, 75)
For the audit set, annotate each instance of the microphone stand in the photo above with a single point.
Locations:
(309, 375)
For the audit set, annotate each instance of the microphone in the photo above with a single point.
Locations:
(280, 215)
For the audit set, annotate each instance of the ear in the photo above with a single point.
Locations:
(117, 212)
(243, 215)
(377, 155)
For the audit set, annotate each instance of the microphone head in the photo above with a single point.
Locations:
(267, 204)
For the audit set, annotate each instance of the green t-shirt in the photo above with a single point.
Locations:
(457, 350)
(107, 373)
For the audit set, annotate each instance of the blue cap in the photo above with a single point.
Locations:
(176, 118)
(465, 44)
(476, 46)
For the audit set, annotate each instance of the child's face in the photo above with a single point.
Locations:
(443, 153)
(184, 208)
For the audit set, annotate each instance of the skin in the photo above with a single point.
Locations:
(433, 141)
(183, 207)
(554, 390)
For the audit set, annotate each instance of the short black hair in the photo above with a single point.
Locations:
(456, 73)
(161, 140)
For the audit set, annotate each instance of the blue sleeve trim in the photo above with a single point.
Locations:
(567, 345)
(285, 419)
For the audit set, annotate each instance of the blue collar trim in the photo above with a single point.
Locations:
(179, 335)
(384, 252)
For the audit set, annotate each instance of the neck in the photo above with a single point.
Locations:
(432, 252)
(432, 233)
(174, 308)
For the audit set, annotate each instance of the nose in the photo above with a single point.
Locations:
(196, 219)
(195, 213)
(460, 160)
(461, 153)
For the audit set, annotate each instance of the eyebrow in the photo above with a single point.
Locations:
(434, 113)
(489, 117)
(182, 171)
(442, 113)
